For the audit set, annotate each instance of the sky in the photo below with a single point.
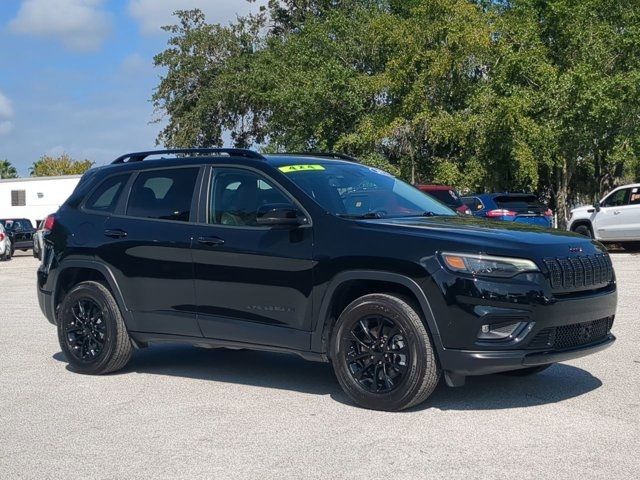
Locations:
(76, 76)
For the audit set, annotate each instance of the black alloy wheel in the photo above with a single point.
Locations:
(86, 330)
(378, 356)
(382, 354)
(91, 331)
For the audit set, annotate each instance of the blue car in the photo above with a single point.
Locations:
(510, 207)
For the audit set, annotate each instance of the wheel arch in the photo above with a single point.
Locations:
(583, 222)
(77, 271)
(347, 286)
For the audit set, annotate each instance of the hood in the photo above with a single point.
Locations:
(489, 235)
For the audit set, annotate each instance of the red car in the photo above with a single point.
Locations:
(446, 195)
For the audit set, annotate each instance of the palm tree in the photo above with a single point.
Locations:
(7, 170)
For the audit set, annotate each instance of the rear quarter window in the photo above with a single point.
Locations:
(105, 197)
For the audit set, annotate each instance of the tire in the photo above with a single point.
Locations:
(631, 246)
(523, 372)
(388, 381)
(583, 230)
(87, 316)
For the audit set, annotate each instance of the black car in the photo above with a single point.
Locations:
(318, 256)
(20, 231)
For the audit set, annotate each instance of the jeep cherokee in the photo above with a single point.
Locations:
(319, 256)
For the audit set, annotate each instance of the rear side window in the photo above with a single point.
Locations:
(105, 197)
(473, 203)
(448, 197)
(634, 199)
(163, 194)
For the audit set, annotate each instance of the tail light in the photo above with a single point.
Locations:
(501, 212)
(548, 213)
(49, 223)
(2, 235)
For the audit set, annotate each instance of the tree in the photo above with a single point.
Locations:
(49, 166)
(7, 170)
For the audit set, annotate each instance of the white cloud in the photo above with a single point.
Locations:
(152, 14)
(80, 25)
(6, 112)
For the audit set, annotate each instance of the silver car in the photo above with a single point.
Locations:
(5, 245)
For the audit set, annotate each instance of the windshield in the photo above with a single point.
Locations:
(18, 224)
(358, 191)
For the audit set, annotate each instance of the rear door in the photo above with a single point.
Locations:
(253, 283)
(614, 220)
(147, 244)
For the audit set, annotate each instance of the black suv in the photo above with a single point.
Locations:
(20, 232)
(315, 255)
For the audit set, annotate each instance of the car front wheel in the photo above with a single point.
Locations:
(91, 330)
(583, 230)
(382, 354)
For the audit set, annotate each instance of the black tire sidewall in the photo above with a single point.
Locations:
(583, 228)
(99, 294)
(403, 395)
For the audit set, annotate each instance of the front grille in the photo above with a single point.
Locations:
(570, 336)
(577, 273)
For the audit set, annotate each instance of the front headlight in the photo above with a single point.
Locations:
(487, 265)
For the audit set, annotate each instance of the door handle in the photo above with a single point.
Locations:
(617, 212)
(211, 241)
(117, 233)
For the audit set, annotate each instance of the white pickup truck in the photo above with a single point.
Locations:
(615, 218)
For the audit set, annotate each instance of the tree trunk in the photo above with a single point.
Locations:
(562, 194)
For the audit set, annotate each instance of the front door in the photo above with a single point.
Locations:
(613, 219)
(253, 283)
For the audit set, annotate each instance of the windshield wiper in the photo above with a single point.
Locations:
(364, 216)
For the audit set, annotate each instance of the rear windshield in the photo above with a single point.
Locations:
(17, 224)
(448, 197)
(519, 203)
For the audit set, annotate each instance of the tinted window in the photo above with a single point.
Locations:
(238, 194)
(105, 197)
(617, 199)
(519, 202)
(448, 197)
(17, 224)
(163, 194)
(353, 190)
(473, 203)
(634, 199)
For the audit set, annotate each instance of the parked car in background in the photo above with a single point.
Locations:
(6, 249)
(38, 237)
(615, 218)
(446, 195)
(511, 207)
(20, 232)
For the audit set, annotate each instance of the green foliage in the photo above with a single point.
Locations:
(485, 95)
(7, 170)
(49, 166)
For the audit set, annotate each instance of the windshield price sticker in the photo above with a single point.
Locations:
(299, 168)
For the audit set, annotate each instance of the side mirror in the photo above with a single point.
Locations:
(597, 206)
(280, 214)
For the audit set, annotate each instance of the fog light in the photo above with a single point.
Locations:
(500, 331)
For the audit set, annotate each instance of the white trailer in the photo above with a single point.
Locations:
(34, 197)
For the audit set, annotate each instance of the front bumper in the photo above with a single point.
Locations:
(465, 362)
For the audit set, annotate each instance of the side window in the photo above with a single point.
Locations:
(634, 199)
(617, 199)
(473, 203)
(163, 194)
(105, 197)
(236, 196)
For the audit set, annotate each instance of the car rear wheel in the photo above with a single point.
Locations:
(91, 330)
(382, 354)
(523, 372)
(583, 230)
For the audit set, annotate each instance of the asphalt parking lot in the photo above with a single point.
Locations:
(184, 412)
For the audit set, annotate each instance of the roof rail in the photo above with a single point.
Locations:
(232, 152)
(337, 156)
